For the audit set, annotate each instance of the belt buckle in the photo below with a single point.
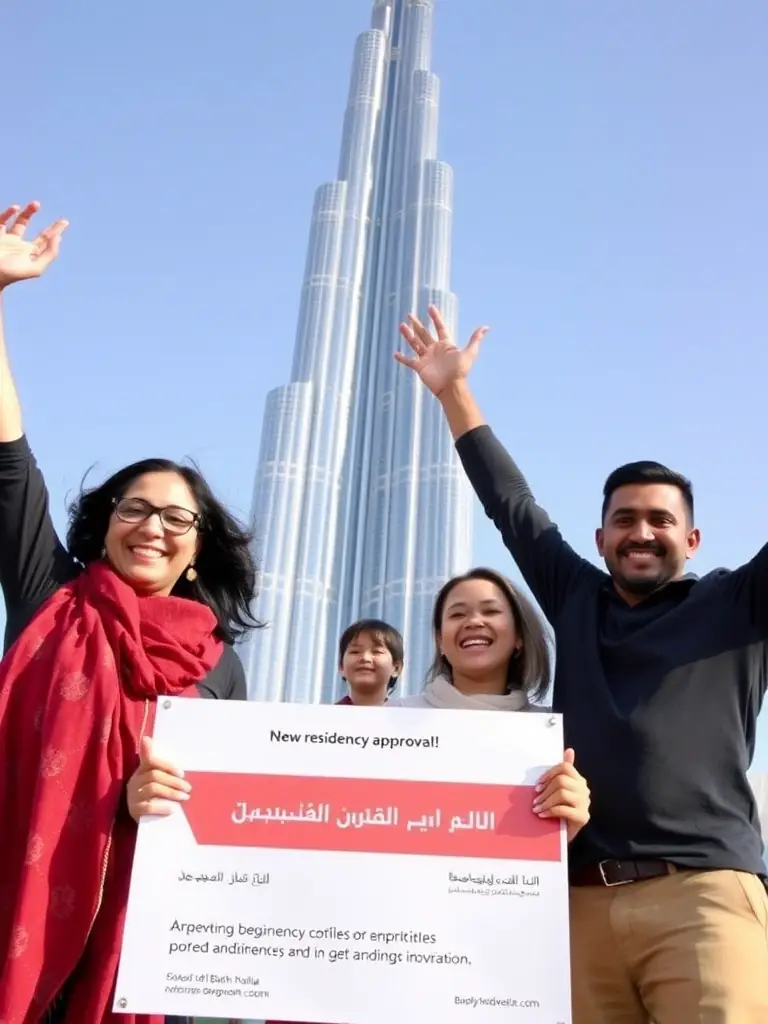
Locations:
(606, 883)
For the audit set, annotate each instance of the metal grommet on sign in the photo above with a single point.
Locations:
(167, 704)
(122, 1003)
(552, 720)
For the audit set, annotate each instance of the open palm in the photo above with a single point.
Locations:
(20, 259)
(437, 360)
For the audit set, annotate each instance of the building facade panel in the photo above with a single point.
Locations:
(380, 510)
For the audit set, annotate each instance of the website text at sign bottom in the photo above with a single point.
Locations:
(369, 816)
(504, 1003)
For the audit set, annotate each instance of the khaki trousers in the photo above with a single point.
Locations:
(687, 948)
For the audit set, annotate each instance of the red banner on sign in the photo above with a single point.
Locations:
(443, 819)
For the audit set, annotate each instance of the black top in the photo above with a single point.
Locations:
(660, 700)
(34, 562)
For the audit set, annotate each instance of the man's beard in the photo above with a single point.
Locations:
(643, 586)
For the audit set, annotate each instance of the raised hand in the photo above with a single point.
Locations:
(437, 360)
(21, 259)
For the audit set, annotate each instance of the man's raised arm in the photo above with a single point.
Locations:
(550, 567)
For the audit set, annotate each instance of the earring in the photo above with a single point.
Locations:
(191, 574)
(103, 552)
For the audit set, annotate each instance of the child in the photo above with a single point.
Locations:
(370, 661)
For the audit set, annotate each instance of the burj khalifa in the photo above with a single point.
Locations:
(360, 506)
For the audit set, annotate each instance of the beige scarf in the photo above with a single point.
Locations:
(441, 693)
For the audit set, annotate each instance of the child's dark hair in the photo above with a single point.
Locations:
(382, 633)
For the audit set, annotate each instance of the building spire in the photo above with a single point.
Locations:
(360, 505)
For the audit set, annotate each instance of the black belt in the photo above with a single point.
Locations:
(621, 872)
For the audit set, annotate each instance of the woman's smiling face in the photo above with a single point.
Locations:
(149, 551)
(477, 635)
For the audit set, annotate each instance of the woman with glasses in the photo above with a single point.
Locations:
(146, 598)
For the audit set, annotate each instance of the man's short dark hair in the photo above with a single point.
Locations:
(382, 633)
(645, 472)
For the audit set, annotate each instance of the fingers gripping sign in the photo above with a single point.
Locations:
(21, 258)
(155, 785)
(563, 793)
(437, 360)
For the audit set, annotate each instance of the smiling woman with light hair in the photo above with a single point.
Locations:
(492, 654)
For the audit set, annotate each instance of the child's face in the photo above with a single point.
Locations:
(367, 666)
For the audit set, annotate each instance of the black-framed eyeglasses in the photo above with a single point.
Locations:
(174, 518)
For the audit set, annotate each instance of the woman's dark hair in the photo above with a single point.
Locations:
(226, 571)
(528, 671)
(382, 633)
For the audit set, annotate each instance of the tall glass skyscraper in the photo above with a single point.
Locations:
(360, 505)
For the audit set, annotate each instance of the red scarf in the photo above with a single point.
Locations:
(77, 691)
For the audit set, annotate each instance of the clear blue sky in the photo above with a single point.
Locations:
(611, 227)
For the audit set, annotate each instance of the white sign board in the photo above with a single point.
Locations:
(351, 864)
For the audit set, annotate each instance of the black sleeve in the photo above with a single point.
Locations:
(549, 565)
(750, 583)
(238, 690)
(226, 680)
(33, 561)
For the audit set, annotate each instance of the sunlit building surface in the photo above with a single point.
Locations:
(360, 505)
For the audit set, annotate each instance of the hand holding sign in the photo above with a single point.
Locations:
(563, 793)
(155, 782)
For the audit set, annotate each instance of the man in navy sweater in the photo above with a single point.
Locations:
(660, 677)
